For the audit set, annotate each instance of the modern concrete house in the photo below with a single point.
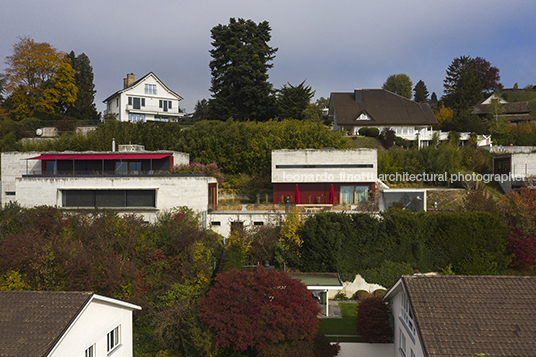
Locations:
(56, 324)
(515, 169)
(136, 182)
(325, 176)
(449, 315)
(147, 99)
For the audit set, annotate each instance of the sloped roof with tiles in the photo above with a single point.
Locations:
(383, 108)
(31, 322)
(474, 315)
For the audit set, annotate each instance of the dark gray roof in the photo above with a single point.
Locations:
(508, 108)
(31, 322)
(383, 107)
(474, 315)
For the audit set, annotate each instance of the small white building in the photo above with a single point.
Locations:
(147, 99)
(515, 169)
(127, 182)
(57, 324)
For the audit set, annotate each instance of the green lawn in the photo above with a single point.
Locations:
(344, 326)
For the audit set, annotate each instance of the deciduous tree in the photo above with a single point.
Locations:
(399, 84)
(372, 321)
(38, 78)
(241, 58)
(252, 310)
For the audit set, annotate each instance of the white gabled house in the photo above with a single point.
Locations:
(56, 323)
(147, 99)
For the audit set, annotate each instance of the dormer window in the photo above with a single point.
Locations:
(363, 116)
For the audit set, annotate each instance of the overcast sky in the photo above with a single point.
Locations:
(335, 46)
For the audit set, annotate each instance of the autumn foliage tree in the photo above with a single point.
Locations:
(373, 320)
(38, 78)
(522, 246)
(259, 309)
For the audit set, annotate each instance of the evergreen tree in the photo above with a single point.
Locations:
(420, 92)
(84, 107)
(293, 100)
(241, 58)
(462, 86)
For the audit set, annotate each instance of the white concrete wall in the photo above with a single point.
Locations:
(171, 191)
(524, 165)
(324, 157)
(92, 327)
(248, 217)
(349, 349)
(13, 166)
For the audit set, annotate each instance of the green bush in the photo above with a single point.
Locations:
(379, 292)
(360, 295)
(387, 274)
(369, 132)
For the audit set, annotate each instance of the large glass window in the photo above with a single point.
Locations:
(150, 88)
(354, 194)
(112, 339)
(108, 198)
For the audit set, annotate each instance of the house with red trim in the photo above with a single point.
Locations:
(324, 176)
(136, 182)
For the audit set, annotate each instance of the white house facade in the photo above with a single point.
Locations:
(64, 323)
(103, 328)
(407, 342)
(147, 99)
(127, 182)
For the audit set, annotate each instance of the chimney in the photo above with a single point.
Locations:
(358, 95)
(127, 82)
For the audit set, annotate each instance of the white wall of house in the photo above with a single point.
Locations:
(312, 165)
(406, 341)
(352, 349)
(524, 165)
(101, 316)
(152, 109)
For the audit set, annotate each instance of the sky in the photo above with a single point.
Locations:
(335, 46)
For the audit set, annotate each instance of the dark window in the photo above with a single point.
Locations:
(143, 102)
(10, 193)
(216, 223)
(136, 104)
(109, 198)
(258, 223)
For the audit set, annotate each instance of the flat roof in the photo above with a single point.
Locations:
(319, 280)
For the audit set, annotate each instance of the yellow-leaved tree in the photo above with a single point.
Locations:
(38, 78)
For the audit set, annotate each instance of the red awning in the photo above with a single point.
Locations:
(122, 156)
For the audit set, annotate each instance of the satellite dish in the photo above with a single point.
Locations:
(39, 132)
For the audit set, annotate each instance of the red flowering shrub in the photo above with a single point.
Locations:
(522, 246)
(373, 320)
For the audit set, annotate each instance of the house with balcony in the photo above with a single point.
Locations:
(59, 323)
(450, 315)
(129, 182)
(146, 99)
